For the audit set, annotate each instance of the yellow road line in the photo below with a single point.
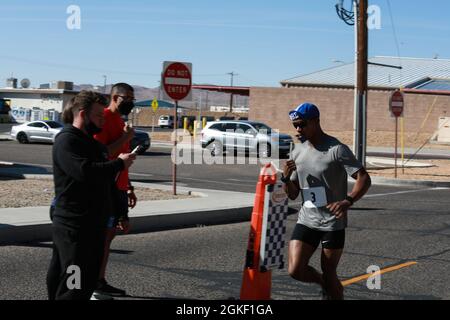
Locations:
(367, 276)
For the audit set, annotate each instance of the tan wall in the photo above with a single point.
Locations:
(271, 105)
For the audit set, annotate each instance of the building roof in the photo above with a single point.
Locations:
(414, 72)
(161, 104)
(435, 84)
(243, 91)
(32, 90)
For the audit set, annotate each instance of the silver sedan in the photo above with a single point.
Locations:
(36, 131)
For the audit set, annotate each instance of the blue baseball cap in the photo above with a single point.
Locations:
(305, 111)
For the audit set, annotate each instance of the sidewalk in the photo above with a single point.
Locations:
(211, 207)
(422, 154)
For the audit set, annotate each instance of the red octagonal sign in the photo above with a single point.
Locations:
(177, 79)
(396, 103)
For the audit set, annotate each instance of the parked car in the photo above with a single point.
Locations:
(140, 138)
(46, 131)
(250, 136)
(36, 131)
(165, 122)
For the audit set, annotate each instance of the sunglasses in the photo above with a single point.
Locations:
(300, 125)
(126, 98)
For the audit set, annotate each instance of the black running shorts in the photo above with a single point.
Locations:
(328, 239)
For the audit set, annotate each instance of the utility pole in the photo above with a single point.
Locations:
(360, 141)
(104, 84)
(232, 74)
(357, 17)
(159, 90)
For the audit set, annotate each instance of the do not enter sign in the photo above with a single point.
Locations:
(177, 80)
(397, 103)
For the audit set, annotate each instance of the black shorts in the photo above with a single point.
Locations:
(329, 239)
(121, 209)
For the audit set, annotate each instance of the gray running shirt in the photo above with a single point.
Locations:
(322, 175)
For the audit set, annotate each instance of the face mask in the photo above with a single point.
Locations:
(91, 128)
(125, 107)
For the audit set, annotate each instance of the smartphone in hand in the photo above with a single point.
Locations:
(137, 149)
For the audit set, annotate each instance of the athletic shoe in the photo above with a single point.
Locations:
(103, 288)
(97, 296)
(324, 295)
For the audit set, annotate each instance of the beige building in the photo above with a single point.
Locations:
(425, 83)
(30, 104)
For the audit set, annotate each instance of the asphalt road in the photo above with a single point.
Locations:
(389, 227)
(154, 166)
(6, 127)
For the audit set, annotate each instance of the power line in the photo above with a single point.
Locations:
(83, 68)
(393, 28)
(348, 16)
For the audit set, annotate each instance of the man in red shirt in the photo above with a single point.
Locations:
(116, 136)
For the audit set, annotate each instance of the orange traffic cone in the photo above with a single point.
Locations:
(256, 284)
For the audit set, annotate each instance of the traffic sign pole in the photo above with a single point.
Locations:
(177, 83)
(396, 105)
(395, 154)
(174, 165)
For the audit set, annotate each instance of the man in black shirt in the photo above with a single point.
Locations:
(84, 182)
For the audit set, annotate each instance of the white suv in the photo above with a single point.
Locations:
(165, 121)
(248, 136)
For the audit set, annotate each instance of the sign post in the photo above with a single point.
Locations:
(176, 83)
(154, 107)
(396, 106)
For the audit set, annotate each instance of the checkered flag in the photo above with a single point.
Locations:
(274, 228)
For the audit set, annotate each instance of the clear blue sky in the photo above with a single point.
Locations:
(263, 41)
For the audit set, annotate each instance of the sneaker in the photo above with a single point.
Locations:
(98, 296)
(103, 288)
(324, 295)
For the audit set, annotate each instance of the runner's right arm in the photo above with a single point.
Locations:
(291, 187)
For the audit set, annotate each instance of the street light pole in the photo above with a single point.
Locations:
(232, 74)
(104, 84)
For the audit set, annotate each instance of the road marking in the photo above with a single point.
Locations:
(218, 182)
(382, 271)
(239, 180)
(142, 174)
(401, 192)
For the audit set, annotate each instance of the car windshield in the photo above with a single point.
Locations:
(262, 127)
(54, 124)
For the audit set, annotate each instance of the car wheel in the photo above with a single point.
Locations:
(264, 150)
(22, 137)
(215, 148)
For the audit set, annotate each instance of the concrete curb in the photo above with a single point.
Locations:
(410, 183)
(26, 176)
(43, 232)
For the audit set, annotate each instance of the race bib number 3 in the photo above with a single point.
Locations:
(314, 197)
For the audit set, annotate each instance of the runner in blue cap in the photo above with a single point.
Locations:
(318, 171)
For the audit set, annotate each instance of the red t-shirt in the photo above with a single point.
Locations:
(113, 130)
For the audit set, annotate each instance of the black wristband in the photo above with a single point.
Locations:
(284, 179)
(350, 199)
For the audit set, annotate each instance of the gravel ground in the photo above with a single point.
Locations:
(30, 193)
